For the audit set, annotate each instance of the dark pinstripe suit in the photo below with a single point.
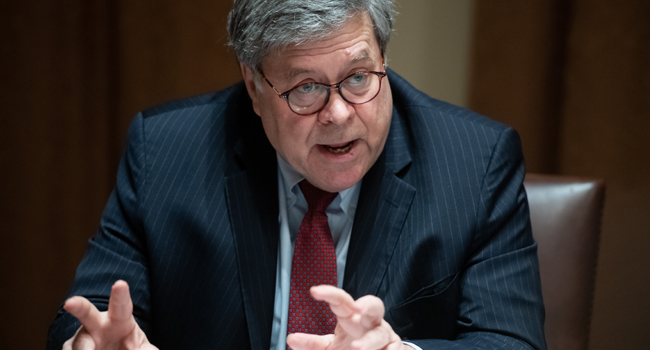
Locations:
(441, 233)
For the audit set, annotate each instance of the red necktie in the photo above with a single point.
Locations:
(314, 263)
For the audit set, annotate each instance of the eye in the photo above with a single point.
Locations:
(306, 88)
(357, 81)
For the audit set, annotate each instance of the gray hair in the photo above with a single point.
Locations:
(257, 27)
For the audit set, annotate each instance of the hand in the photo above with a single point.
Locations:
(112, 329)
(360, 324)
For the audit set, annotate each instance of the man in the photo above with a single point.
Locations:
(212, 223)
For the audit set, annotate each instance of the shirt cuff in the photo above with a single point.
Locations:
(412, 345)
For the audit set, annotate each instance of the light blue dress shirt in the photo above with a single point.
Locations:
(293, 206)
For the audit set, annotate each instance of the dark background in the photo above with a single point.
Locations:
(572, 76)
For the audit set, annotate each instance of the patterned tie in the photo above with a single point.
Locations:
(314, 263)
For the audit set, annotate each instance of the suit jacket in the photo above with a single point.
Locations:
(441, 233)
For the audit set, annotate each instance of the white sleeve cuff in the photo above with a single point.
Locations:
(412, 345)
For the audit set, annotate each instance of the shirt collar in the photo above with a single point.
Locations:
(346, 200)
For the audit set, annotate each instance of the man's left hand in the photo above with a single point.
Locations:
(360, 324)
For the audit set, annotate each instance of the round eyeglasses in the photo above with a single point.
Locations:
(312, 97)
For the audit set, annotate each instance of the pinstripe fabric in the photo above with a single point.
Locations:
(441, 232)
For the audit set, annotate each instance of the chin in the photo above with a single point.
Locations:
(337, 181)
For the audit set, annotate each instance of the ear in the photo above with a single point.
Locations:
(249, 80)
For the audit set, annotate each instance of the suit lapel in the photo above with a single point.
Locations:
(384, 203)
(252, 199)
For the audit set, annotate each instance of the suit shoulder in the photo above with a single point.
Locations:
(414, 103)
(205, 124)
(229, 95)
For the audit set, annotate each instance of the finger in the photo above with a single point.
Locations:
(344, 307)
(300, 341)
(68, 344)
(120, 306)
(376, 338)
(148, 346)
(340, 302)
(81, 341)
(85, 312)
(372, 311)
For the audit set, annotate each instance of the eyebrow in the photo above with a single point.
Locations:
(293, 72)
(362, 56)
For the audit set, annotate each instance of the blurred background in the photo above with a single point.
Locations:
(572, 76)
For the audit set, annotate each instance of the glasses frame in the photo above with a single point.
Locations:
(285, 95)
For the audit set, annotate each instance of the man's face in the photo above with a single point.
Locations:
(334, 148)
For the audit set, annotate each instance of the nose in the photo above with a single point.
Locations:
(337, 110)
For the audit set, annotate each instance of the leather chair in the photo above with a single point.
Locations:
(565, 214)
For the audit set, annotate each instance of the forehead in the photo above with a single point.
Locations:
(352, 43)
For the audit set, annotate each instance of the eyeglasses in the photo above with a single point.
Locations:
(312, 97)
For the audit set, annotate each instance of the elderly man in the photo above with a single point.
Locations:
(323, 203)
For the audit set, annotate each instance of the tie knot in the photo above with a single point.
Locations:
(317, 199)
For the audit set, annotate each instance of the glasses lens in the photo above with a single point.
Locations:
(361, 87)
(307, 98)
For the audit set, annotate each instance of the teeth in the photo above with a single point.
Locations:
(339, 150)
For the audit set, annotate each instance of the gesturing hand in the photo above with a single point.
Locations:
(360, 324)
(112, 329)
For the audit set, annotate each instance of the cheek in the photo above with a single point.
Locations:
(385, 112)
(271, 123)
(378, 124)
(288, 134)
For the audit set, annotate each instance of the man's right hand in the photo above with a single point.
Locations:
(112, 329)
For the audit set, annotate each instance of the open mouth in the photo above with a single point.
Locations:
(339, 149)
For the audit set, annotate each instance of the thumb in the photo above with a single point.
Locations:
(300, 341)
